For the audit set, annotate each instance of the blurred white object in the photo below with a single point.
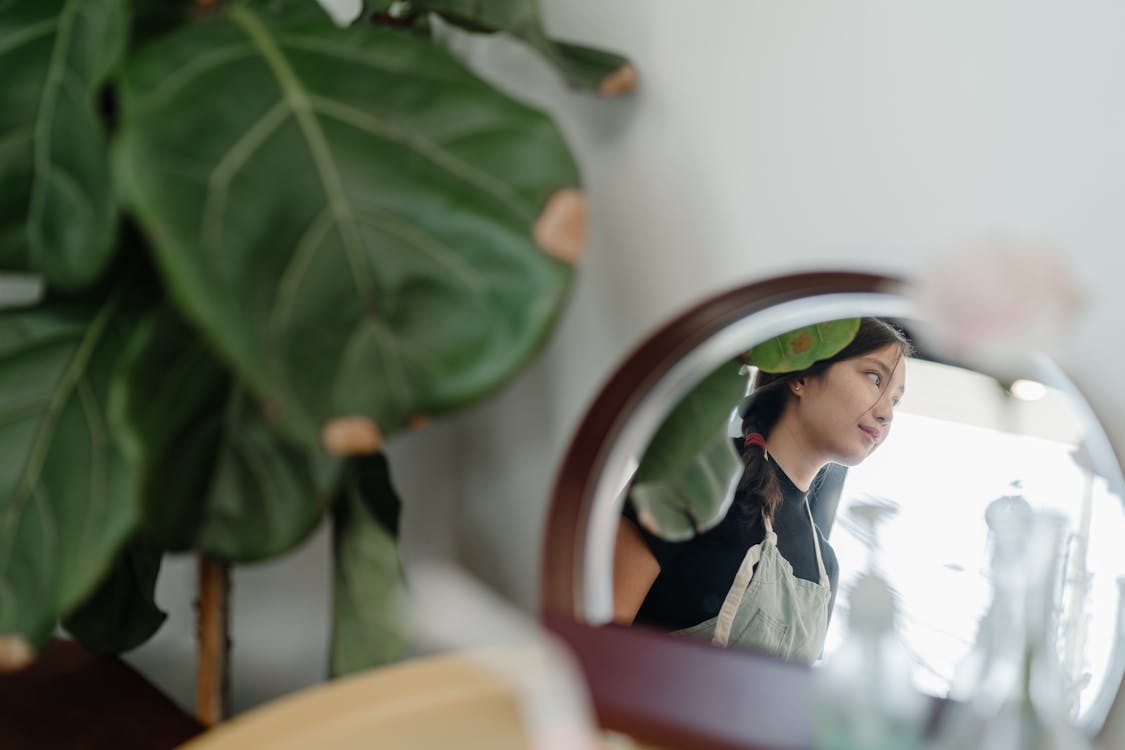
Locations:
(343, 12)
(1010, 694)
(995, 304)
(450, 610)
(1028, 390)
(865, 696)
(21, 289)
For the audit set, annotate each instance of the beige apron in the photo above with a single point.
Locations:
(771, 609)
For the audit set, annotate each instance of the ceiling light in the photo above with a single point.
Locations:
(1028, 390)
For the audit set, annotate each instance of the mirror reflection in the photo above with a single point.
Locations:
(963, 441)
(880, 459)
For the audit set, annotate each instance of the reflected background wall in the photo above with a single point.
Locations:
(763, 138)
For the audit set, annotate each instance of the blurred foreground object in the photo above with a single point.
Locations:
(446, 701)
(864, 693)
(507, 684)
(1009, 692)
(450, 610)
(999, 302)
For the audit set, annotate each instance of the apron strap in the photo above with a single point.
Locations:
(742, 579)
(816, 545)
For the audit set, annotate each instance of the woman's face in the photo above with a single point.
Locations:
(847, 411)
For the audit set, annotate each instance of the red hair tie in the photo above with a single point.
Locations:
(755, 438)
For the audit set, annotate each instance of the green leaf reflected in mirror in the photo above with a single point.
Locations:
(684, 484)
(801, 347)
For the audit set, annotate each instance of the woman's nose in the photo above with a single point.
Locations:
(884, 411)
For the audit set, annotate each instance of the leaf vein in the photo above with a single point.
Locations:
(294, 272)
(211, 229)
(267, 485)
(33, 345)
(432, 152)
(297, 99)
(13, 413)
(425, 242)
(351, 54)
(75, 369)
(27, 35)
(396, 375)
(199, 65)
(44, 117)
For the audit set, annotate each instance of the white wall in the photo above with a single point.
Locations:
(768, 137)
(764, 137)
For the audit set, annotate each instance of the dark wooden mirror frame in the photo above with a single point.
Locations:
(671, 692)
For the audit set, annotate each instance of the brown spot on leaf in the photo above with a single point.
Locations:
(15, 653)
(620, 81)
(271, 411)
(802, 343)
(351, 436)
(560, 229)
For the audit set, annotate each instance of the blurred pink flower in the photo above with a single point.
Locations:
(999, 302)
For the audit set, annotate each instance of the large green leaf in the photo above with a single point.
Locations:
(368, 623)
(801, 347)
(583, 67)
(346, 214)
(150, 19)
(121, 614)
(65, 502)
(687, 475)
(211, 472)
(57, 211)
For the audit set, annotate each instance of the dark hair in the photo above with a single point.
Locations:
(759, 487)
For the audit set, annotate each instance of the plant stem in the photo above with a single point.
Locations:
(212, 677)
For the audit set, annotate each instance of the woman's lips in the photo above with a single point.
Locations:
(871, 433)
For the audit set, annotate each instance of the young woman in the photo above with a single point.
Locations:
(765, 577)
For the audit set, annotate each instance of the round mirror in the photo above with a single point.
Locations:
(962, 438)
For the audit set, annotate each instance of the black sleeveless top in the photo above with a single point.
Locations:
(695, 575)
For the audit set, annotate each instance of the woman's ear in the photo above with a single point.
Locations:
(797, 386)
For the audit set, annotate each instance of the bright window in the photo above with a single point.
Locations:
(942, 473)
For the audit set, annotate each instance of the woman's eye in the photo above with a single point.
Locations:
(876, 378)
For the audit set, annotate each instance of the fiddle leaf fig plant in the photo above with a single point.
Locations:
(684, 483)
(211, 473)
(270, 243)
(305, 219)
(122, 612)
(366, 526)
(68, 508)
(583, 67)
(58, 215)
(688, 474)
(801, 347)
